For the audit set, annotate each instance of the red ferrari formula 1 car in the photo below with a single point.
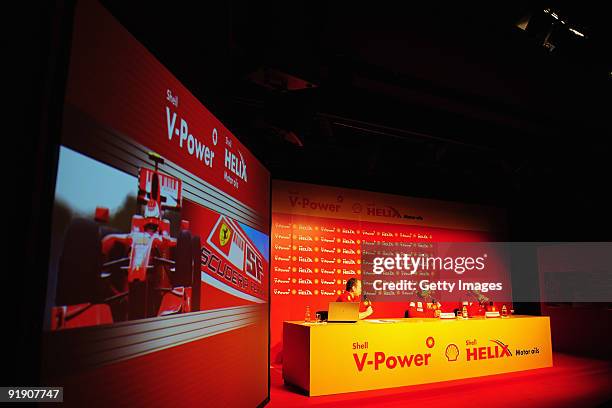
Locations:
(105, 276)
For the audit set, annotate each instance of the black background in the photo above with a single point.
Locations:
(446, 102)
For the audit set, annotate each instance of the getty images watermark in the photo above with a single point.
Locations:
(497, 271)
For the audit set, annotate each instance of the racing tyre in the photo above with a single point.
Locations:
(137, 298)
(78, 278)
(183, 267)
(196, 283)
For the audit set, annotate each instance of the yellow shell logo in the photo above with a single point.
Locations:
(224, 234)
(452, 352)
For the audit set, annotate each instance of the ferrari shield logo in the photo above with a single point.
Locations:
(224, 234)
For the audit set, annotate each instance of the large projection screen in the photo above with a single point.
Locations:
(158, 283)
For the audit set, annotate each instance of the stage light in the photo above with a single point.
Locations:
(578, 33)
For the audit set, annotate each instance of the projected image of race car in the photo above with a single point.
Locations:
(107, 276)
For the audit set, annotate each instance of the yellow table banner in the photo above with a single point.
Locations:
(330, 358)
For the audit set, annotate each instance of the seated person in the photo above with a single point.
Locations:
(353, 294)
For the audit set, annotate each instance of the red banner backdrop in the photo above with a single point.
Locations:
(316, 239)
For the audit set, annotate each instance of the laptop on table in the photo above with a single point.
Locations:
(343, 312)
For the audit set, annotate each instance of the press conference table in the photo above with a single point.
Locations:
(332, 358)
